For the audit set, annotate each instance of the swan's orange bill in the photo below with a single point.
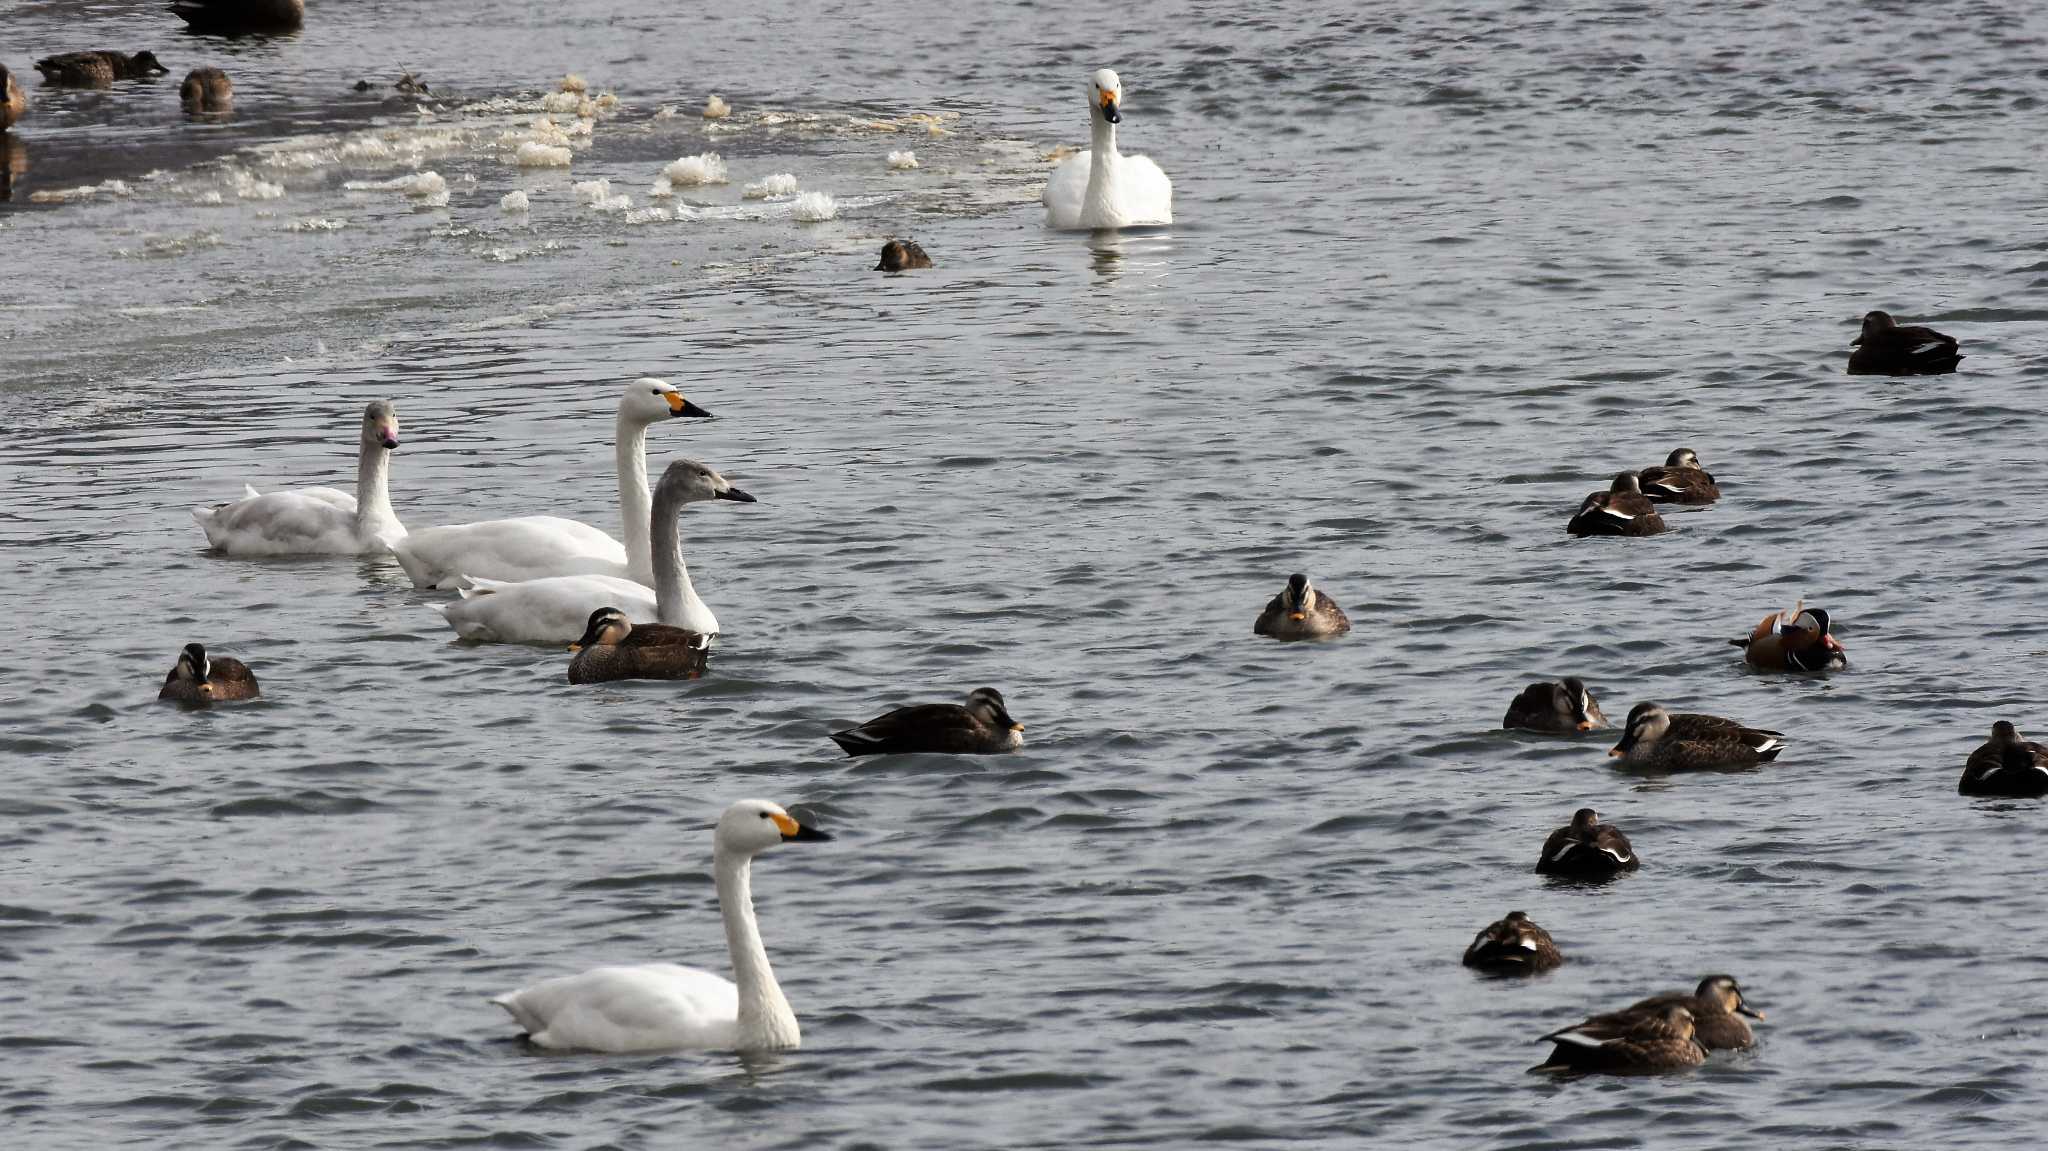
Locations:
(784, 824)
(675, 401)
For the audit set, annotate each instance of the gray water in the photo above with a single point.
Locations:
(1435, 275)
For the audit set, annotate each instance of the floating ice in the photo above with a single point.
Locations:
(316, 224)
(561, 102)
(248, 187)
(513, 201)
(780, 184)
(902, 161)
(665, 112)
(815, 207)
(87, 192)
(534, 154)
(706, 168)
(572, 83)
(716, 109)
(426, 187)
(643, 215)
(661, 189)
(598, 194)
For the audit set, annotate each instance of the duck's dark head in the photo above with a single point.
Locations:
(1585, 713)
(1647, 722)
(193, 667)
(1298, 597)
(2004, 732)
(894, 257)
(1682, 458)
(1626, 482)
(987, 703)
(1875, 324)
(147, 59)
(1723, 989)
(1585, 819)
(608, 625)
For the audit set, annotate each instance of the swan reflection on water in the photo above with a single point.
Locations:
(1130, 251)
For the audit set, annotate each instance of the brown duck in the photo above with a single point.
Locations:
(97, 69)
(1587, 849)
(2006, 765)
(1513, 946)
(1660, 741)
(1301, 612)
(1717, 1009)
(1887, 348)
(1621, 510)
(206, 90)
(1795, 640)
(233, 17)
(613, 647)
(980, 727)
(1652, 1042)
(197, 681)
(1681, 480)
(900, 255)
(1562, 707)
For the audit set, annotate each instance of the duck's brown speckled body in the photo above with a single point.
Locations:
(1652, 1042)
(1717, 1008)
(97, 69)
(1301, 612)
(614, 648)
(1661, 741)
(1513, 945)
(206, 91)
(13, 101)
(198, 681)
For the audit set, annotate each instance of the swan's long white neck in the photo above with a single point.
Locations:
(1104, 166)
(765, 1021)
(675, 599)
(373, 490)
(631, 441)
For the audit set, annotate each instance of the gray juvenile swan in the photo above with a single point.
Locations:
(317, 521)
(557, 609)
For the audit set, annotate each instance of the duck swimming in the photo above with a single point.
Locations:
(982, 726)
(233, 17)
(206, 90)
(97, 69)
(1680, 480)
(2006, 765)
(1587, 849)
(613, 649)
(1102, 187)
(1888, 349)
(1660, 741)
(197, 681)
(1562, 707)
(900, 255)
(1301, 612)
(1795, 640)
(1650, 1043)
(1621, 510)
(1717, 1009)
(1513, 946)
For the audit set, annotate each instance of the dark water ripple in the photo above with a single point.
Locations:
(1438, 273)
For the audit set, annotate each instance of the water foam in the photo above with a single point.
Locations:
(690, 171)
(815, 208)
(780, 184)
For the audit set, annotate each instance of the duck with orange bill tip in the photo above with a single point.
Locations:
(198, 681)
(1562, 707)
(1648, 1043)
(1679, 480)
(1301, 612)
(1720, 1015)
(1795, 640)
(1621, 510)
(613, 647)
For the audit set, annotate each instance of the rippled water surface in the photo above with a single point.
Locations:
(1437, 272)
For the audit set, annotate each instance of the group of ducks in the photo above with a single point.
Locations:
(205, 90)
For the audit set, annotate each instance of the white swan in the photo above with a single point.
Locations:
(317, 521)
(663, 1007)
(530, 547)
(1102, 187)
(556, 609)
